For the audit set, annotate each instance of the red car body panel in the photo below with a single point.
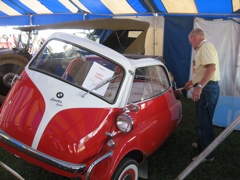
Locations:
(27, 107)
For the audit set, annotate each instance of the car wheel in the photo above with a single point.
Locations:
(126, 170)
(10, 64)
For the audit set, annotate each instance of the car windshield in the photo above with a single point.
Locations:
(81, 68)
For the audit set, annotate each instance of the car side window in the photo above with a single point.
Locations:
(148, 82)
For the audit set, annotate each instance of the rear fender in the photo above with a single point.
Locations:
(106, 167)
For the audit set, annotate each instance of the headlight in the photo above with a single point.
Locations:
(124, 123)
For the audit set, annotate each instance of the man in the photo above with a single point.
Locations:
(205, 77)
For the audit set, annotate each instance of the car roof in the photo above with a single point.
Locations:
(145, 60)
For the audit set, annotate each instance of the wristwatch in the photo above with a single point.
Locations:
(199, 85)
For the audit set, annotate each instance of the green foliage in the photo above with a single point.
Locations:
(164, 164)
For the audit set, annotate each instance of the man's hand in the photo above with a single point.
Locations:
(188, 85)
(196, 93)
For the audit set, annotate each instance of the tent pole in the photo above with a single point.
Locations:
(236, 75)
(224, 134)
(31, 16)
(84, 16)
(155, 31)
(149, 5)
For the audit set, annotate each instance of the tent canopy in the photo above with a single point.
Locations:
(40, 12)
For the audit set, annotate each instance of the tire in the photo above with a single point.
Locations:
(126, 170)
(10, 64)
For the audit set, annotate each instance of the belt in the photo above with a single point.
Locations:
(209, 82)
(212, 82)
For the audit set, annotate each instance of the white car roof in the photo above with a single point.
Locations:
(143, 62)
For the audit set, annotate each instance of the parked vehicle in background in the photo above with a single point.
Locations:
(14, 56)
(81, 109)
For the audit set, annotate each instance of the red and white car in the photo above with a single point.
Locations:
(80, 109)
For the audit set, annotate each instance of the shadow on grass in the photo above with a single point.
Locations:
(164, 164)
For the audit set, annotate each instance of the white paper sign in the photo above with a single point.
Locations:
(97, 75)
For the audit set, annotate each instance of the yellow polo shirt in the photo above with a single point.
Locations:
(204, 55)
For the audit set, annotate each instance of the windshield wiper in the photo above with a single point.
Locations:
(102, 83)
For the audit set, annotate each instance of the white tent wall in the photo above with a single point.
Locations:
(225, 35)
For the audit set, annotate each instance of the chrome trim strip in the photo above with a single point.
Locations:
(57, 163)
(108, 154)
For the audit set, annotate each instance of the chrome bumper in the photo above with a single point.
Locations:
(57, 163)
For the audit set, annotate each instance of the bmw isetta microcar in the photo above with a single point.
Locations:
(83, 110)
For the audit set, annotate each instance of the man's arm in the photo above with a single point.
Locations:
(208, 74)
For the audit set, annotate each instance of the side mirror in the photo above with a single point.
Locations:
(133, 107)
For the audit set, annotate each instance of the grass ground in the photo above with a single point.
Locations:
(167, 162)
